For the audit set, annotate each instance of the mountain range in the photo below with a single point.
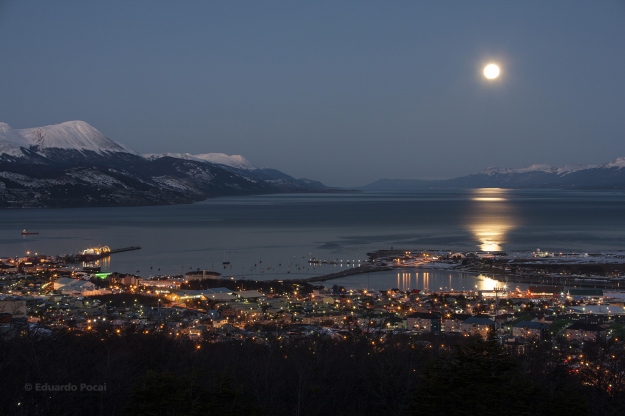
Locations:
(72, 164)
(607, 176)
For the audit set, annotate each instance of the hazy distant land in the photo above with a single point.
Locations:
(609, 175)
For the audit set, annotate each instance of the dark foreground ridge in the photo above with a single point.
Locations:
(130, 373)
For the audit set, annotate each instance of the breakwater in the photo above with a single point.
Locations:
(348, 272)
(567, 281)
(121, 250)
(562, 281)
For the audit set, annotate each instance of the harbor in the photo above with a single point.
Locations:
(604, 270)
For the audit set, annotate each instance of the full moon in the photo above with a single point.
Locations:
(491, 71)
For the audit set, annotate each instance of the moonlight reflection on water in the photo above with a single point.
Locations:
(492, 217)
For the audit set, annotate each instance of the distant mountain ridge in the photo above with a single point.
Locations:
(609, 175)
(234, 161)
(74, 164)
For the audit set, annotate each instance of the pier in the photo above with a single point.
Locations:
(96, 253)
(121, 250)
(348, 272)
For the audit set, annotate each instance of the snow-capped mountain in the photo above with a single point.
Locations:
(11, 142)
(234, 161)
(540, 167)
(70, 139)
(609, 175)
(237, 164)
(73, 164)
(11, 137)
(72, 135)
(491, 171)
(618, 163)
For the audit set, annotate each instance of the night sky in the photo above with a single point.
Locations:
(345, 92)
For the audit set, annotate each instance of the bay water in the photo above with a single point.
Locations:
(274, 236)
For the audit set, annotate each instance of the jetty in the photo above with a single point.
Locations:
(121, 250)
(348, 272)
(95, 253)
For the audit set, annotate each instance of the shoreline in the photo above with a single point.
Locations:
(349, 272)
(501, 277)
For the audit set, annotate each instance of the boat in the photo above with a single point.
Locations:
(26, 232)
(94, 253)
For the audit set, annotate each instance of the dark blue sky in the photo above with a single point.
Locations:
(345, 92)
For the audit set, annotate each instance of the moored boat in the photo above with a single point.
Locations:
(94, 253)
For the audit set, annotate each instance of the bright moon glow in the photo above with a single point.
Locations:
(491, 71)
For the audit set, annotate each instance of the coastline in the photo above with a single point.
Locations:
(501, 277)
(348, 272)
(542, 280)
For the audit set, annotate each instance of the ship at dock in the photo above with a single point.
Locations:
(94, 253)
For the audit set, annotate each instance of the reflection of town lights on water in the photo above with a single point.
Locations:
(406, 282)
(103, 262)
(486, 283)
(420, 280)
(403, 281)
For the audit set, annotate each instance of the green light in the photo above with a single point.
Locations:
(102, 275)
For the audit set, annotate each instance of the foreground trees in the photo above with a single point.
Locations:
(354, 374)
(481, 378)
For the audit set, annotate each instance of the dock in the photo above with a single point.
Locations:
(348, 272)
(121, 250)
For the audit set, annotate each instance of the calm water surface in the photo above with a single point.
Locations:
(273, 236)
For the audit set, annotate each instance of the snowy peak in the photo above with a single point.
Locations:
(541, 167)
(11, 137)
(75, 140)
(234, 161)
(72, 135)
(495, 170)
(565, 170)
(617, 163)
(11, 143)
(609, 175)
